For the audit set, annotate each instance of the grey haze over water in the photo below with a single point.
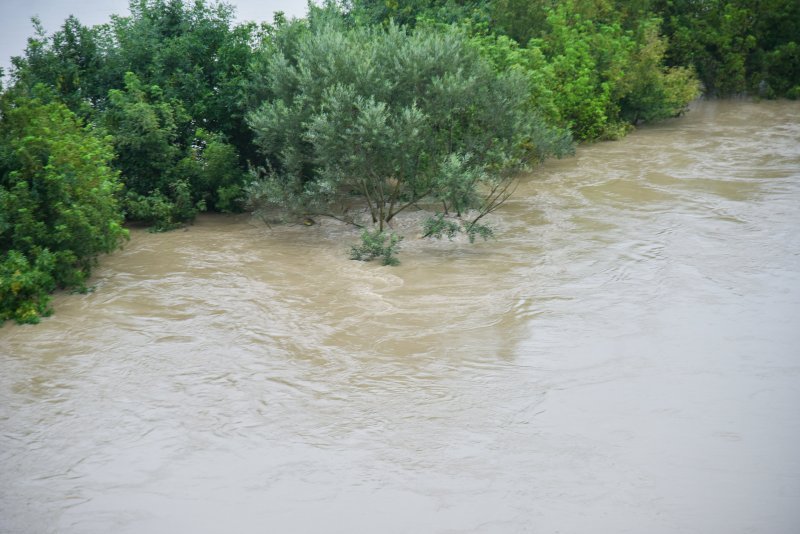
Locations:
(16, 27)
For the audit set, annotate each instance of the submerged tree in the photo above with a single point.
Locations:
(394, 118)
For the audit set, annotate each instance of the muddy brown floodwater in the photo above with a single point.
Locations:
(624, 358)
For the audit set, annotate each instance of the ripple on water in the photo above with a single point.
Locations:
(622, 358)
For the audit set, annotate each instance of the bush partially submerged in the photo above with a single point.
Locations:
(391, 120)
(377, 244)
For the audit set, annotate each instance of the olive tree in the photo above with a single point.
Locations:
(391, 117)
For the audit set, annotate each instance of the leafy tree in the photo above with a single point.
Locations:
(393, 118)
(144, 126)
(196, 55)
(58, 207)
(585, 62)
(736, 46)
(648, 91)
(211, 167)
(168, 182)
(716, 37)
(594, 68)
(776, 60)
(154, 79)
(520, 20)
(79, 63)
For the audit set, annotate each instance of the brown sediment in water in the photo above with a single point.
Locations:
(623, 358)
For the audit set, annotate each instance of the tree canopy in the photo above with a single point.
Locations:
(396, 117)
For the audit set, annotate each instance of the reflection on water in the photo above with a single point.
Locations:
(623, 359)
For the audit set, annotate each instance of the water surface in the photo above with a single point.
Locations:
(624, 358)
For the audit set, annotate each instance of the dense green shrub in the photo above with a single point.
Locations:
(162, 213)
(167, 184)
(595, 75)
(25, 288)
(648, 91)
(212, 169)
(154, 79)
(737, 46)
(144, 128)
(58, 206)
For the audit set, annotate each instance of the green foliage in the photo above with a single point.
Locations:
(167, 183)
(25, 288)
(648, 91)
(212, 168)
(377, 244)
(193, 52)
(476, 229)
(155, 210)
(736, 46)
(186, 209)
(438, 226)
(409, 12)
(154, 79)
(607, 77)
(715, 37)
(269, 197)
(519, 20)
(198, 57)
(145, 133)
(58, 206)
(583, 62)
(392, 117)
(79, 63)
(593, 67)
(162, 213)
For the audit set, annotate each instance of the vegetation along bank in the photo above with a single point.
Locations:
(359, 111)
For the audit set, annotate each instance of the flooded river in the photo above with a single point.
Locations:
(624, 358)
